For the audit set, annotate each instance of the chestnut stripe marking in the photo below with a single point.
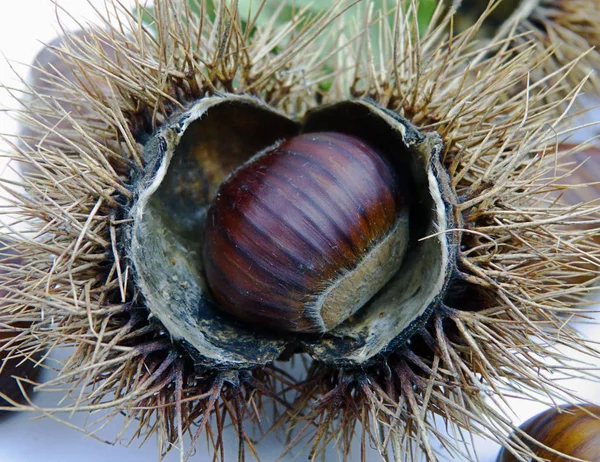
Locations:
(354, 164)
(292, 280)
(378, 164)
(233, 261)
(382, 167)
(316, 228)
(255, 216)
(366, 161)
(291, 256)
(258, 309)
(357, 221)
(243, 244)
(293, 224)
(287, 252)
(331, 209)
(263, 297)
(356, 207)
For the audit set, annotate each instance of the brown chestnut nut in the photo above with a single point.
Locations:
(304, 234)
(571, 430)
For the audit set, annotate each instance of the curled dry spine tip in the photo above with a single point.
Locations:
(114, 257)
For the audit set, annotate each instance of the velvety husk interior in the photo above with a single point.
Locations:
(182, 169)
(185, 162)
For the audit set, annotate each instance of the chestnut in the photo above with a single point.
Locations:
(571, 430)
(304, 234)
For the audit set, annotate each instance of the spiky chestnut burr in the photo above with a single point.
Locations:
(306, 233)
(108, 258)
(572, 431)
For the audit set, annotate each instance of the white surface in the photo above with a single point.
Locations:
(23, 25)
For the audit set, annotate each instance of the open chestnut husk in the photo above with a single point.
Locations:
(569, 430)
(335, 225)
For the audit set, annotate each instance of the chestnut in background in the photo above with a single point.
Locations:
(571, 430)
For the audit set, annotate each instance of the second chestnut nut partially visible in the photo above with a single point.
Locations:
(568, 430)
(307, 232)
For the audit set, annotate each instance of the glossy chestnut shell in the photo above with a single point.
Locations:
(304, 234)
(570, 430)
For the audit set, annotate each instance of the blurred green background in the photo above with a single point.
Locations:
(288, 8)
